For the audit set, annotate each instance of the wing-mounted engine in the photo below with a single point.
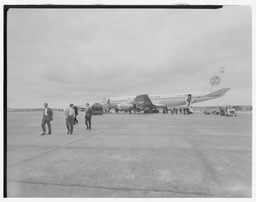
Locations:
(125, 106)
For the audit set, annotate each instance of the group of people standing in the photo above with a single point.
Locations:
(70, 116)
(183, 110)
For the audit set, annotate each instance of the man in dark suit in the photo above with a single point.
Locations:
(47, 118)
(88, 116)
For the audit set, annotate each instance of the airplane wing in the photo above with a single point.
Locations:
(82, 107)
(142, 101)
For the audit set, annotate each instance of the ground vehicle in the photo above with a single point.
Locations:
(227, 111)
(211, 110)
(97, 108)
(223, 111)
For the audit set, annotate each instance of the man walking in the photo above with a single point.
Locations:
(88, 116)
(70, 115)
(47, 118)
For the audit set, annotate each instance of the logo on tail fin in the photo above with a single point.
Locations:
(215, 80)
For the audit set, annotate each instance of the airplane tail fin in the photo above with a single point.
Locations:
(218, 93)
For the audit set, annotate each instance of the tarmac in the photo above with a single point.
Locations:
(131, 156)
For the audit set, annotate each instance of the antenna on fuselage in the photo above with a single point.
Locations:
(215, 80)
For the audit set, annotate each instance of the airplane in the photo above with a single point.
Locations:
(153, 103)
(161, 101)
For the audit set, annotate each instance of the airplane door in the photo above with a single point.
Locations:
(188, 99)
(188, 96)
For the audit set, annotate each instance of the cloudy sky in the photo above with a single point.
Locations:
(63, 56)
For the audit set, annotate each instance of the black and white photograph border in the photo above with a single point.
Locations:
(133, 65)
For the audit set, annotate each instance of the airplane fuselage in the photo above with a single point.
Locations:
(165, 100)
(169, 100)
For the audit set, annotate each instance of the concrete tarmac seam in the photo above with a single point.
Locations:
(235, 149)
(201, 194)
(55, 148)
(207, 166)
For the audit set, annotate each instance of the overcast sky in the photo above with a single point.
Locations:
(63, 56)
